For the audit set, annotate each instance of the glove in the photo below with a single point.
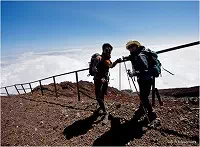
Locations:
(125, 58)
(103, 80)
(94, 70)
(118, 60)
(131, 74)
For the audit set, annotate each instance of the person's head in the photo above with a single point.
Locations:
(133, 46)
(107, 48)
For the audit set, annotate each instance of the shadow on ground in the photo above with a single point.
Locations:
(80, 127)
(120, 134)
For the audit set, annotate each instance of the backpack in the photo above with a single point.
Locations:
(93, 63)
(153, 62)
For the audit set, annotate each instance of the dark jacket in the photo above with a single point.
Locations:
(103, 68)
(140, 63)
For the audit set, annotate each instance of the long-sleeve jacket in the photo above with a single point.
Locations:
(140, 64)
(102, 68)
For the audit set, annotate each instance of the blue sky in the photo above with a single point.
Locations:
(46, 26)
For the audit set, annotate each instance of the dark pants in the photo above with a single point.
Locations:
(100, 91)
(145, 87)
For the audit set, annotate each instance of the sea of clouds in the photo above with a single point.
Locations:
(28, 67)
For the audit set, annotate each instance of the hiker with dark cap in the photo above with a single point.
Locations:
(99, 68)
(144, 70)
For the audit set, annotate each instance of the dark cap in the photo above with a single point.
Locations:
(107, 45)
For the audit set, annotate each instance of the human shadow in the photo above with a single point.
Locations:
(120, 134)
(176, 133)
(81, 127)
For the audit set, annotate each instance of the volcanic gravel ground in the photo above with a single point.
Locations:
(35, 120)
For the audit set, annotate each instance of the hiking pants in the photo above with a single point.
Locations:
(100, 91)
(145, 87)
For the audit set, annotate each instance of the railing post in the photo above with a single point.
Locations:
(153, 92)
(7, 91)
(31, 88)
(158, 96)
(17, 89)
(77, 85)
(41, 86)
(55, 86)
(23, 88)
(119, 76)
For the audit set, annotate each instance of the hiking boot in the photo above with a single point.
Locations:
(147, 119)
(137, 115)
(105, 120)
(152, 116)
(97, 111)
(135, 118)
(155, 123)
(105, 113)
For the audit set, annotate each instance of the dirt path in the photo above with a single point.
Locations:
(41, 120)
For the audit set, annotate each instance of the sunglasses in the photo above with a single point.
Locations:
(131, 46)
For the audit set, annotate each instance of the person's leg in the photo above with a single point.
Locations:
(145, 91)
(140, 111)
(104, 91)
(100, 95)
(145, 88)
(97, 90)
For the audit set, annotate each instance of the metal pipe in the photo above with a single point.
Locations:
(55, 86)
(7, 91)
(31, 88)
(17, 89)
(23, 88)
(77, 86)
(41, 86)
(119, 76)
(153, 92)
(158, 96)
(178, 47)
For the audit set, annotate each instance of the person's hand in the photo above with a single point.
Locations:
(118, 60)
(137, 72)
(103, 80)
(131, 74)
(94, 70)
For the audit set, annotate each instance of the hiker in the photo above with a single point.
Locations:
(99, 68)
(141, 68)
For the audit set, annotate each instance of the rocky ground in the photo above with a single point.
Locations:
(36, 120)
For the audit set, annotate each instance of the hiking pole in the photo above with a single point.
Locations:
(141, 101)
(127, 74)
(168, 71)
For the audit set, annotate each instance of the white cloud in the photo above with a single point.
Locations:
(34, 66)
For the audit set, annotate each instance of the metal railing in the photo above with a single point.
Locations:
(76, 74)
(40, 83)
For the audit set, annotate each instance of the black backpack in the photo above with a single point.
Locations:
(93, 63)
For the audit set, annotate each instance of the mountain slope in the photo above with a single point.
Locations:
(32, 119)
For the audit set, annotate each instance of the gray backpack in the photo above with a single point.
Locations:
(153, 62)
(93, 62)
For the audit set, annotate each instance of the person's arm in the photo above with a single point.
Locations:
(115, 63)
(142, 63)
(126, 58)
(109, 64)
